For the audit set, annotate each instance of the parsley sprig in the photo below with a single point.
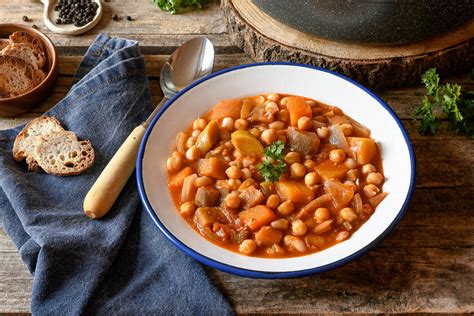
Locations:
(175, 6)
(457, 107)
(273, 166)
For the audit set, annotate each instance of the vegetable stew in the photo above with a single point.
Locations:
(275, 176)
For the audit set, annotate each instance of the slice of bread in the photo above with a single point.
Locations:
(16, 76)
(37, 47)
(61, 154)
(25, 143)
(4, 43)
(22, 51)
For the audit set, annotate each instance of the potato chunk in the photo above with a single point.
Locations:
(294, 191)
(268, 236)
(208, 137)
(363, 149)
(257, 217)
(213, 167)
(246, 143)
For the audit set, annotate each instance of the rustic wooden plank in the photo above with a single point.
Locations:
(16, 283)
(154, 28)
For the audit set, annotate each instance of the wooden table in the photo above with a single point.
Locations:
(426, 265)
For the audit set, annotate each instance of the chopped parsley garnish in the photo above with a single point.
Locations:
(273, 166)
(456, 107)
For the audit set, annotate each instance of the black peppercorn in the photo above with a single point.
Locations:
(25, 18)
(129, 18)
(115, 17)
(58, 21)
(34, 26)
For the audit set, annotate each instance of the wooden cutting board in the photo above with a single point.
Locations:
(376, 66)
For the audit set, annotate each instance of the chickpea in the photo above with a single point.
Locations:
(200, 123)
(255, 132)
(272, 107)
(348, 214)
(283, 116)
(277, 125)
(351, 184)
(286, 208)
(234, 183)
(337, 155)
(343, 235)
(352, 174)
(350, 163)
(321, 214)
(305, 123)
(292, 157)
(281, 224)
(294, 242)
(323, 132)
(246, 173)
(191, 141)
(228, 123)
(177, 154)
(299, 228)
(273, 201)
(371, 190)
(273, 97)
(232, 199)
(196, 133)
(187, 209)
(241, 124)
(375, 178)
(309, 164)
(311, 179)
(269, 136)
(247, 246)
(174, 164)
(193, 153)
(347, 129)
(297, 170)
(246, 162)
(233, 172)
(203, 181)
(284, 101)
(368, 168)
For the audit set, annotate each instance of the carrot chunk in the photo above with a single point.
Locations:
(226, 108)
(296, 192)
(363, 149)
(297, 107)
(177, 179)
(257, 216)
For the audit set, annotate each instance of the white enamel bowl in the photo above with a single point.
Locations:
(323, 85)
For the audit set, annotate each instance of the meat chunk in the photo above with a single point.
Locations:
(251, 197)
(207, 197)
(303, 142)
(207, 216)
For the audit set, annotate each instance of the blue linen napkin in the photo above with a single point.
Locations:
(120, 264)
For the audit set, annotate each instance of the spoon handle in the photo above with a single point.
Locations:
(113, 178)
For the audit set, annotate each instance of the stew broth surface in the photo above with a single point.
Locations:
(331, 186)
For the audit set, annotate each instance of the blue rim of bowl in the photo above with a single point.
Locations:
(267, 274)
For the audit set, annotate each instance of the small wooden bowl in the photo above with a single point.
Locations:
(23, 103)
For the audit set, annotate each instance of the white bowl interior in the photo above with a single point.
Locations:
(287, 79)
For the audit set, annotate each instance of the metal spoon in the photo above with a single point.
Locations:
(190, 62)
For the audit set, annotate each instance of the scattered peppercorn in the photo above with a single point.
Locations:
(77, 12)
(34, 26)
(115, 17)
(129, 18)
(25, 18)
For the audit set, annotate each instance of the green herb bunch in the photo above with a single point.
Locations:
(175, 6)
(458, 108)
(273, 166)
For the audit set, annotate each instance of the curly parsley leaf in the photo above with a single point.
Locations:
(429, 123)
(273, 166)
(175, 6)
(457, 107)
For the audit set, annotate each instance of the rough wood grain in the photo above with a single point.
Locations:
(266, 39)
